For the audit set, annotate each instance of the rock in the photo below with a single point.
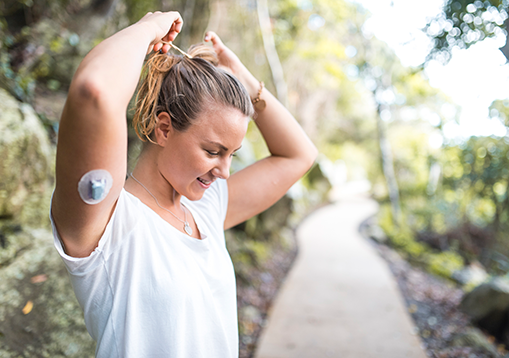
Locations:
(473, 337)
(26, 165)
(50, 104)
(487, 298)
(488, 306)
(473, 274)
(39, 313)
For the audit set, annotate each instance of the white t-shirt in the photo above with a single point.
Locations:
(149, 290)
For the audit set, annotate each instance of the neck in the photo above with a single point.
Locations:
(147, 172)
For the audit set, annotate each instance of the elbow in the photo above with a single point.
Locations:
(309, 157)
(85, 90)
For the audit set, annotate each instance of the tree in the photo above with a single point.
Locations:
(465, 22)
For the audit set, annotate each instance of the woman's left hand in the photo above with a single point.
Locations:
(229, 61)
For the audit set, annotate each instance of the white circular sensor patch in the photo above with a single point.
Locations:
(94, 186)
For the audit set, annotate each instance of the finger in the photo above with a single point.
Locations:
(212, 36)
(157, 46)
(178, 22)
(176, 26)
(171, 35)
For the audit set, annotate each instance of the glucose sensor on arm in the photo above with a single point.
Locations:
(94, 186)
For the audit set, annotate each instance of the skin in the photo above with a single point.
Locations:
(93, 134)
(171, 169)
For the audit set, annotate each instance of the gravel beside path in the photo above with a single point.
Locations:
(433, 303)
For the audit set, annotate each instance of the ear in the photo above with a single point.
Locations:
(163, 129)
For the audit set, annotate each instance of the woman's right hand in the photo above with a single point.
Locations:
(166, 27)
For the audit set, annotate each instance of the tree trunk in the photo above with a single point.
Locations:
(388, 167)
(271, 52)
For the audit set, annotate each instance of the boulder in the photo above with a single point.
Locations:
(39, 313)
(474, 337)
(488, 306)
(473, 274)
(26, 165)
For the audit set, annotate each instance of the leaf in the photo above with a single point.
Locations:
(28, 307)
(39, 278)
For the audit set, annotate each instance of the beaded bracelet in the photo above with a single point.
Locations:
(258, 103)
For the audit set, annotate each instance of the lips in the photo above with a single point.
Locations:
(205, 184)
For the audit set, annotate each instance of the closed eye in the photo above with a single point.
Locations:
(212, 153)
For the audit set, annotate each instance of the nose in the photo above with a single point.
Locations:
(222, 169)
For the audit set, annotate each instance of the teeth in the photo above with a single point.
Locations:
(206, 182)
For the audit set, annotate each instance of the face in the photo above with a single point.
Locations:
(192, 160)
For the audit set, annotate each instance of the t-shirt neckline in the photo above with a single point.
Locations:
(195, 217)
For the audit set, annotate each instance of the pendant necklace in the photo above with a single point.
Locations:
(187, 228)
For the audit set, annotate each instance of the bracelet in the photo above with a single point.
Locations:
(258, 103)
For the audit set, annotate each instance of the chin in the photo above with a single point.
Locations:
(194, 196)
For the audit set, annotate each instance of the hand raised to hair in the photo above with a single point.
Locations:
(229, 61)
(166, 27)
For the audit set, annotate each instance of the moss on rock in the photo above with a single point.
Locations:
(26, 166)
(51, 325)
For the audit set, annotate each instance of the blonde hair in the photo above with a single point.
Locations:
(183, 87)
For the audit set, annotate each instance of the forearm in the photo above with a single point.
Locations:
(282, 133)
(113, 67)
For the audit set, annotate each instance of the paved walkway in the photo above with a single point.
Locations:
(339, 299)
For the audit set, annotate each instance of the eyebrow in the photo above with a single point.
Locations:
(222, 146)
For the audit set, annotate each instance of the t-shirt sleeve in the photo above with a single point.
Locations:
(81, 265)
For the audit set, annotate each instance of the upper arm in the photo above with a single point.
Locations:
(92, 135)
(258, 186)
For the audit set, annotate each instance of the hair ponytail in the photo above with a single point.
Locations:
(153, 74)
(182, 86)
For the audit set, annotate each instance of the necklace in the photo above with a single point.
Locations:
(187, 228)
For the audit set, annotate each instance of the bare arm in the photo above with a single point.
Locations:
(261, 184)
(93, 128)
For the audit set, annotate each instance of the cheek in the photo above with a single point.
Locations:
(194, 164)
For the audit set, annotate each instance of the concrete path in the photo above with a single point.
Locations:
(340, 298)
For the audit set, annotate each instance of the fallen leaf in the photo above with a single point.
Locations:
(39, 278)
(28, 307)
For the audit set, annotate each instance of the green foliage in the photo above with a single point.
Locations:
(36, 45)
(475, 179)
(463, 23)
(312, 39)
(462, 207)
(445, 263)
(401, 237)
(137, 9)
(500, 109)
(404, 239)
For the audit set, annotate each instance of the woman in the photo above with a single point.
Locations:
(146, 255)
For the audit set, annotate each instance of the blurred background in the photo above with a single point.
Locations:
(406, 100)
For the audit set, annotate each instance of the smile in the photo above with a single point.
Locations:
(204, 183)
